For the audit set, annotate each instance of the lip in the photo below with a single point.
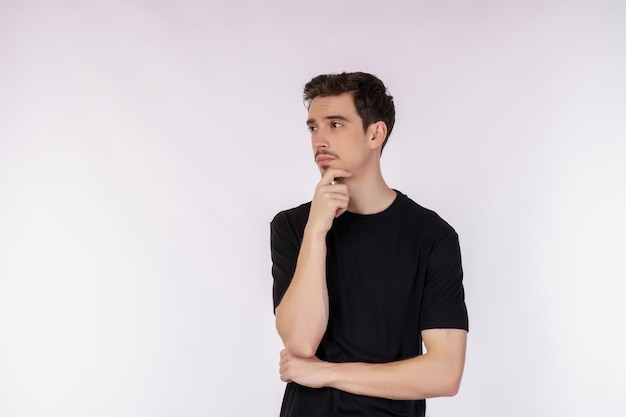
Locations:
(324, 159)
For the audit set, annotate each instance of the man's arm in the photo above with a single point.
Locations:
(437, 373)
(302, 315)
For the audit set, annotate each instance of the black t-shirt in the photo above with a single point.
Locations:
(390, 275)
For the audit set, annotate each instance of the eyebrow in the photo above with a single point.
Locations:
(331, 117)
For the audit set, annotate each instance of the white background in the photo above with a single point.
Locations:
(146, 145)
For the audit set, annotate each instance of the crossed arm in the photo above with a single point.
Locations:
(302, 317)
(437, 373)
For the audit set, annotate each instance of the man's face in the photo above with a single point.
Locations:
(337, 135)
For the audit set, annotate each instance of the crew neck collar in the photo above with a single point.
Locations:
(394, 204)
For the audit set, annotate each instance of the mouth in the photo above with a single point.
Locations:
(324, 159)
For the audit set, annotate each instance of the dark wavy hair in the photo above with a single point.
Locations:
(371, 98)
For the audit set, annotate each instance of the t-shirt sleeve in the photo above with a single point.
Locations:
(444, 296)
(284, 248)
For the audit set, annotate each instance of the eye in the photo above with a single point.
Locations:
(311, 128)
(336, 124)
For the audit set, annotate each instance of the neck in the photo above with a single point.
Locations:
(369, 194)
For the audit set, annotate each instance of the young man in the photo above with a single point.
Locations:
(363, 276)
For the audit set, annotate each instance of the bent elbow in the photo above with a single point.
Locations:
(302, 344)
(450, 386)
(452, 389)
(447, 384)
(302, 353)
(301, 348)
(300, 340)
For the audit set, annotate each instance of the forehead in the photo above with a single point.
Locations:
(342, 104)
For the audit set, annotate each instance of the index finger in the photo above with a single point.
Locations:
(333, 173)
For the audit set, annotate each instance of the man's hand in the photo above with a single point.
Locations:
(309, 372)
(330, 200)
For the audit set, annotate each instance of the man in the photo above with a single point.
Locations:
(363, 276)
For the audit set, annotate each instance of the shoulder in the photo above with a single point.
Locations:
(424, 218)
(294, 218)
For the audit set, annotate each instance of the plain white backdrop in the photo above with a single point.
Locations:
(145, 146)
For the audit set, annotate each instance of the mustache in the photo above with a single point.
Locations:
(325, 152)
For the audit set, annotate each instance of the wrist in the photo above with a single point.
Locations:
(314, 232)
(331, 374)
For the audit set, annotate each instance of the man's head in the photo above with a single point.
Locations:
(373, 103)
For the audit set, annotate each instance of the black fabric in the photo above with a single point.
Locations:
(389, 276)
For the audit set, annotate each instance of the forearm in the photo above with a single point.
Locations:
(437, 373)
(411, 379)
(302, 315)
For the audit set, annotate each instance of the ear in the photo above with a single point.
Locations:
(378, 131)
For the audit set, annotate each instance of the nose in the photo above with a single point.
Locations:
(320, 140)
